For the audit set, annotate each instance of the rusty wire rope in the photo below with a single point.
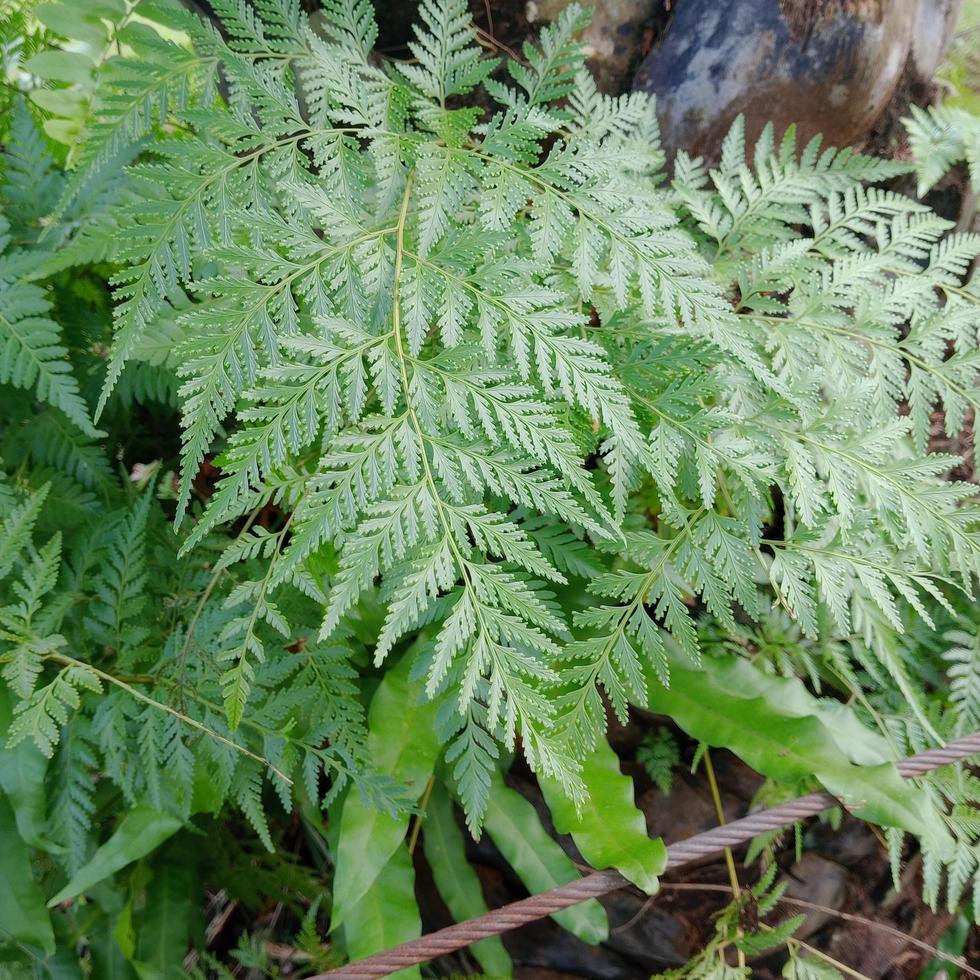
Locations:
(709, 844)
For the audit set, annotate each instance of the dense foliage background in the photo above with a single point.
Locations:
(376, 433)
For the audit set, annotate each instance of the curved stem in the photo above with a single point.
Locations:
(729, 859)
(67, 661)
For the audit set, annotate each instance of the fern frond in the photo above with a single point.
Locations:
(31, 353)
(964, 678)
(941, 136)
(118, 604)
(41, 716)
(476, 375)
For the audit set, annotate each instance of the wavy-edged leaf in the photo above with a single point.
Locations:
(609, 830)
(387, 914)
(141, 831)
(730, 703)
(538, 860)
(459, 887)
(23, 916)
(402, 744)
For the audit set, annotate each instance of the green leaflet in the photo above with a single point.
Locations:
(23, 916)
(142, 830)
(456, 880)
(809, 968)
(387, 914)
(609, 830)
(401, 743)
(782, 732)
(538, 859)
(941, 136)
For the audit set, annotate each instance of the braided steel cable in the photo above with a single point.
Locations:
(697, 848)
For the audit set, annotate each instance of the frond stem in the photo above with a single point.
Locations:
(108, 678)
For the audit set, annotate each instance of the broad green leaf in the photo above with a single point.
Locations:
(71, 21)
(64, 965)
(22, 770)
(456, 880)
(609, 830)
(402, 744)
(163, 928)
(109, 954)
(858, 742)
(538, 859)
(140, 832)
(63, 130)
(23, 916)
(387, 914)
(61, 66)
(60, 101)
(732, 704)
(108, 924)
(124, 933)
